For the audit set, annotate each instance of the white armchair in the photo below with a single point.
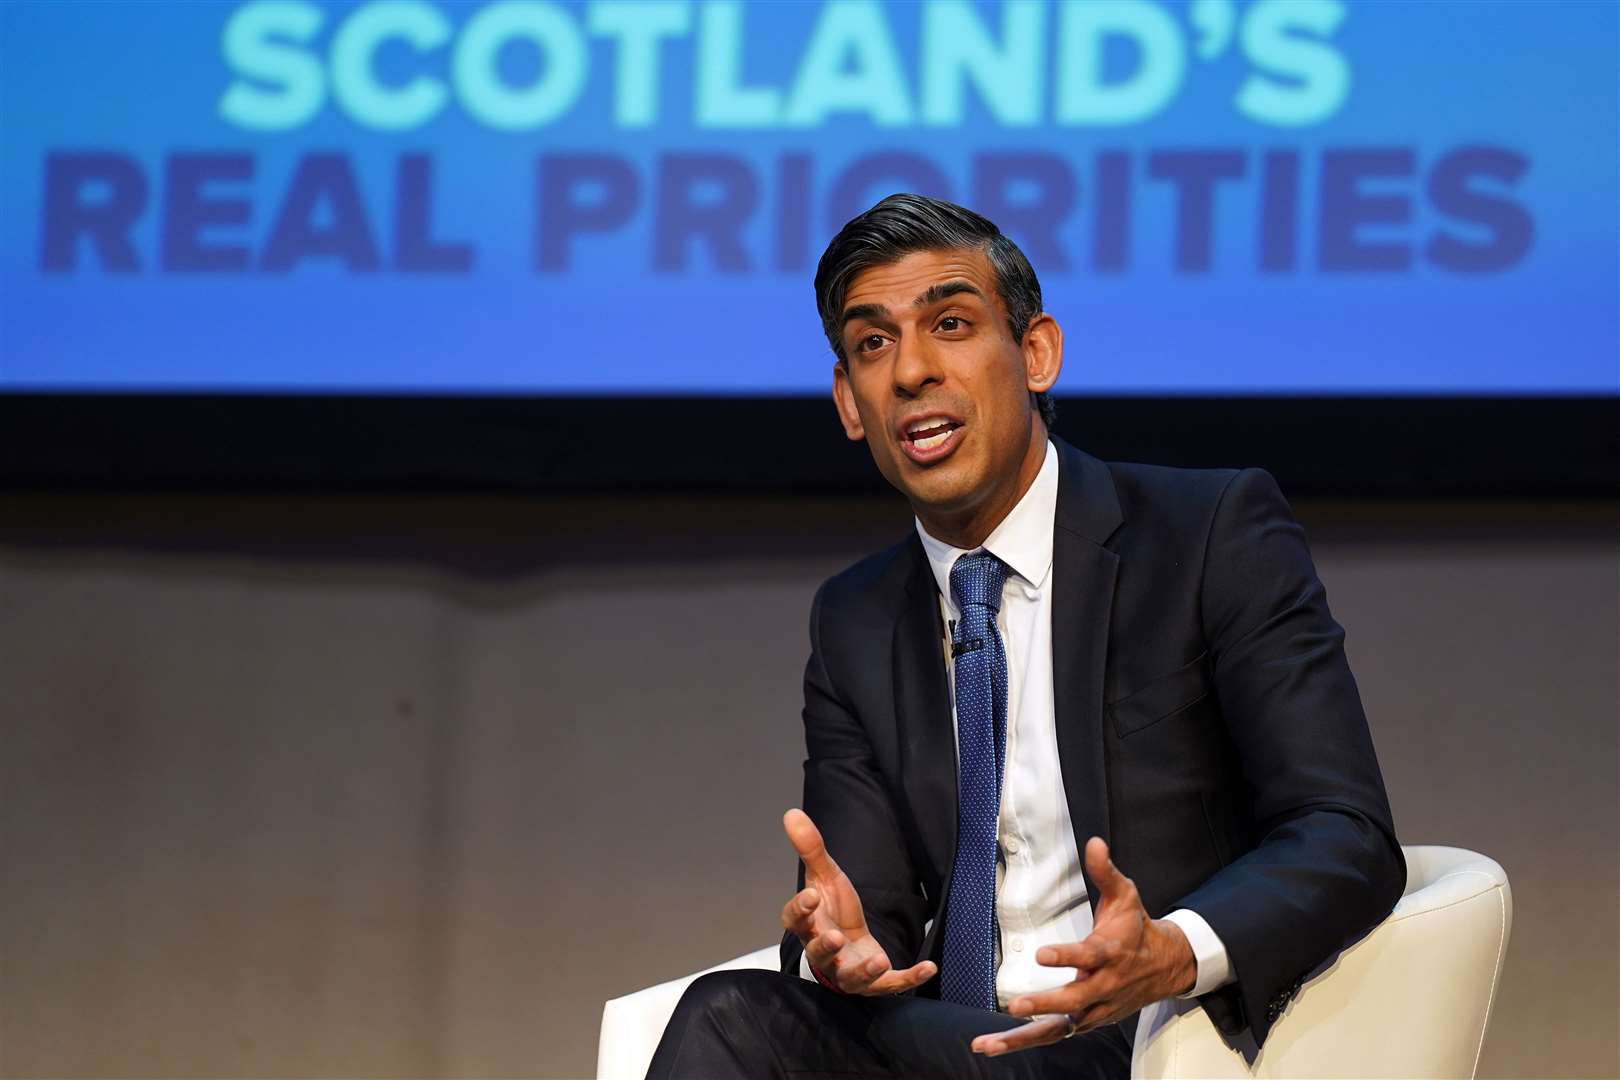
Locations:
(1412, 998)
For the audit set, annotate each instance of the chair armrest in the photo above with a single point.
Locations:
(1411, 998)
(633, 1024)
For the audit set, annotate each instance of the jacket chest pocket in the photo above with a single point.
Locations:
(1164, 697)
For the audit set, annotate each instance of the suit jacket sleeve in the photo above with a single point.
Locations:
(1325, 866)
(846, 796)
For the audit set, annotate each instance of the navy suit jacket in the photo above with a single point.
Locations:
(1208, 728)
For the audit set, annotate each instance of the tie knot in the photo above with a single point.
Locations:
(976, 579)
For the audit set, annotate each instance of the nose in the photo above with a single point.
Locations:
(916, 366)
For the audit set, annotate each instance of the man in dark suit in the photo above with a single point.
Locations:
(1071, 667)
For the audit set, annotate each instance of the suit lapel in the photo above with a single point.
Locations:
(1085, 572)
(923, 707)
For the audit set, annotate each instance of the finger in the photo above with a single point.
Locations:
(799, 913)
(1048, 1029)
(839, 967)
(898, 982)
(1111, 884)
(1084, 956)
(1072, 998)
(856, 977)
(823, 949)
(806, 840)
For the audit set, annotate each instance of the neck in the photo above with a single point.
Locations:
(968, 528)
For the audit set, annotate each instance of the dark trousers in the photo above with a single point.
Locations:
(758, 1024)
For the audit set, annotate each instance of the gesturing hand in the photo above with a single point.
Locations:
(827, 918)
(1128, 962)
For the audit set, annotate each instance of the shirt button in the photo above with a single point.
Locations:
(1011, 844)
(1018, 944)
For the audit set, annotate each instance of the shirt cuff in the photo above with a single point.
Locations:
(1214, 966)
(808, 972)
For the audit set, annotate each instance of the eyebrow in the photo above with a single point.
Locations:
(935, 293)
(945, 289)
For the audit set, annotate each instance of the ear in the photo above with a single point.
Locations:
(844, 398)
(1043, 353)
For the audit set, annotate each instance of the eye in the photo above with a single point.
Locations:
(869, 343)
(952, 323)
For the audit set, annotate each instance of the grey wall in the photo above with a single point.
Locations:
(407, 787)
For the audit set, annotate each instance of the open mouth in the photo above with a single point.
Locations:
(930, 437)
(927, 434)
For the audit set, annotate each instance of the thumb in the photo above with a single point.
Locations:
(1111, 884)
(806, 840)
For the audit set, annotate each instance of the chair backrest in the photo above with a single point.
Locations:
(1412, 998)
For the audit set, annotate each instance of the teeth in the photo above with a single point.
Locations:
(931, 441)
(925, 424)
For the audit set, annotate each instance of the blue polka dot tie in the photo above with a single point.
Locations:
(968, 966)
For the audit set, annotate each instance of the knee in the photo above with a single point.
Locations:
(716, 1030)
(720, 994)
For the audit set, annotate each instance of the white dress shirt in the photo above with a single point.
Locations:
(1040, 892)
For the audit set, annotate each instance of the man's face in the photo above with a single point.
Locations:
(936, 385)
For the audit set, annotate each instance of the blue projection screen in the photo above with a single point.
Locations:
(1295, 197)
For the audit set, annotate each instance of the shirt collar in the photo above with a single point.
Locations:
(1023, 539)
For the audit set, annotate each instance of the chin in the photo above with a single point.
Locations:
(940, 489)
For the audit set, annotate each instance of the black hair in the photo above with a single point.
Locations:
(904, 223)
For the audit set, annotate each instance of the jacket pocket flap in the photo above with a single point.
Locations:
(1164, 696)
